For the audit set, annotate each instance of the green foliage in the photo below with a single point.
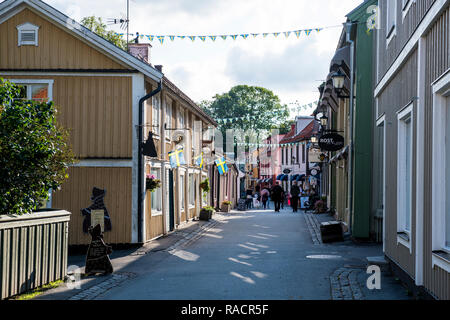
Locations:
(285, 127)
(243, 100)
(209, 208)
(204, 185)
(34, 153)
(96, 25)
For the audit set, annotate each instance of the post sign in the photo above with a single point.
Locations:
(98, 217)
(331, 142)
(287, 171)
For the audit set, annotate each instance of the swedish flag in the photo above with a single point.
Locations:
(213, 38)
(172, 38)
(150, 37)
(234, 36)
(276, 34)
(199, 161)
(297, 33)
(176, 158)
(308, 31)
(244, 35)
(222, 166)
(287, 33)
(191, 37)
(161, 39)
(255, 35)
(203, 38)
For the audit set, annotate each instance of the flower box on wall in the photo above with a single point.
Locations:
(41, 237)
(226, 206)
(206, 213)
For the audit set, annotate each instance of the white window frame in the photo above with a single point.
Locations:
(27, 27)
(441, 92)
(381, 123)
(191, 186)
(156, 114)
(168, 116)
(403, 115)
(182, 190)
(155, 211)
(391, 31)
(29, 82)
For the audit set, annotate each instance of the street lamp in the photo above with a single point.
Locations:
(314, 139)
(338, 79)
(324, 120)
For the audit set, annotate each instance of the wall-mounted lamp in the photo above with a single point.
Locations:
(324, 120)
(338, 79)
(314, 139)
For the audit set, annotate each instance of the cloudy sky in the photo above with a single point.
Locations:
(292, 68)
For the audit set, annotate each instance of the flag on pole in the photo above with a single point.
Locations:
(176, 158)
(222, 166)
(199, 160)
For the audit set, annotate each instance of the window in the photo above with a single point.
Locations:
(406, 4)
(156, 112)
(303, 153)
(404, 172)
(391, 11)
(39, 90)
(169, 113)
(298, 154)
(27, 34)
(282, 156)
(191, 190)
(182, 186)
(156, 195)
(181, 118)
(441, 173)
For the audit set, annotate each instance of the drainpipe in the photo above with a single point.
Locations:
(350, 127)
(140, 166)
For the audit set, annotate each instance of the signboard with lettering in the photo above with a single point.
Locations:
(331, 142)
(314, 156)
(98, 217)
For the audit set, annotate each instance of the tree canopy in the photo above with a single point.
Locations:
(248, 108)
(95, 24)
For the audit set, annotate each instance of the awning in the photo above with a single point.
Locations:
(341, 59)
(279, 176)
(300, 177)
(285, 177)
(294, 177)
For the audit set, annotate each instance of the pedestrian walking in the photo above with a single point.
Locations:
(276, 195)
(295, 192)
(264, 197)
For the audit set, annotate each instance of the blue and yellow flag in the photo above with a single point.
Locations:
(161, 39)
(181, 37)
(191, 37)
(287, 33)
(308, 31)
(276, 34)
(176, 158)
(203, 38)
(199, 160)
(233, 36)
(213, 38)
(150, 37)
(297, 33)
(222, 166)
(172, 38)
(244, 36)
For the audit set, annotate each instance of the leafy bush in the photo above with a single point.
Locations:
(34, 153)
(209, 208)
(151, 183)
(204, 185)
(226, 203)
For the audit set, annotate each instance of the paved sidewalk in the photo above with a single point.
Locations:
(91, 287)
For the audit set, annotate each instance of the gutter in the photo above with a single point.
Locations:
(140, 166)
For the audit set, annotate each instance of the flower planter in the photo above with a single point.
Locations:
(205, 215)
(33, 250)
(225, 207)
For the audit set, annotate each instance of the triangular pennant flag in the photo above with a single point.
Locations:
(224, 37)
(150, 37)
(141, 36)
(181, 37)
(287, 33)
(172, 37)
(213, 38)
(203, 38)
(265, 34)
(276, 34)
(161, 39)
(308, 31)
(244, 36)
(318, 29)
(191, 37)
(234, 36)
(255, 35)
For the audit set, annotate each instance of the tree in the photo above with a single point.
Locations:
(285, 127)
(248, 108)
(34, 151)
(96, 25)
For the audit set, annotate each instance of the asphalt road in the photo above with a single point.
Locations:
(254, 255)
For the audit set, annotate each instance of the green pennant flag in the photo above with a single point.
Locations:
(224, 37)
(181, 37)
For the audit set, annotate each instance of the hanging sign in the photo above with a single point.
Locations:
(331, 142)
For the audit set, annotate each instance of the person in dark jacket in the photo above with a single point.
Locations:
(295, 191)
(276, 195)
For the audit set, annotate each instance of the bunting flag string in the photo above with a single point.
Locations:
(294, 108)
(213, 37)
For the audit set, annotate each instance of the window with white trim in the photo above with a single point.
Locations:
(38, 90)
(391, 17)
(27, 34)
(191, 190)
(181, 118)
(156, 113)
(404, 171)
(156, 195)
(182, 190)
(169, 113)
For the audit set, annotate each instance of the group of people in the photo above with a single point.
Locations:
(276, 194)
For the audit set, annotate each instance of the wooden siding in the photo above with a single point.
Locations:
(154, 226)
(57, 49)
(97, 112)
(437, 63)
(404, 30)
(401, 91)
(76, 192)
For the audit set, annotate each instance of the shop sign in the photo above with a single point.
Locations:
(331, 142)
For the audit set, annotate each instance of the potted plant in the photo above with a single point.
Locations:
(206, 213)
(151, 183)
(226, 206)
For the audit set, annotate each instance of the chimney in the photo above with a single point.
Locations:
(159, 67)
(140, 51)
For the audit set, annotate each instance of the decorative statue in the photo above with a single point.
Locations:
(97, 259)
(98, 204)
